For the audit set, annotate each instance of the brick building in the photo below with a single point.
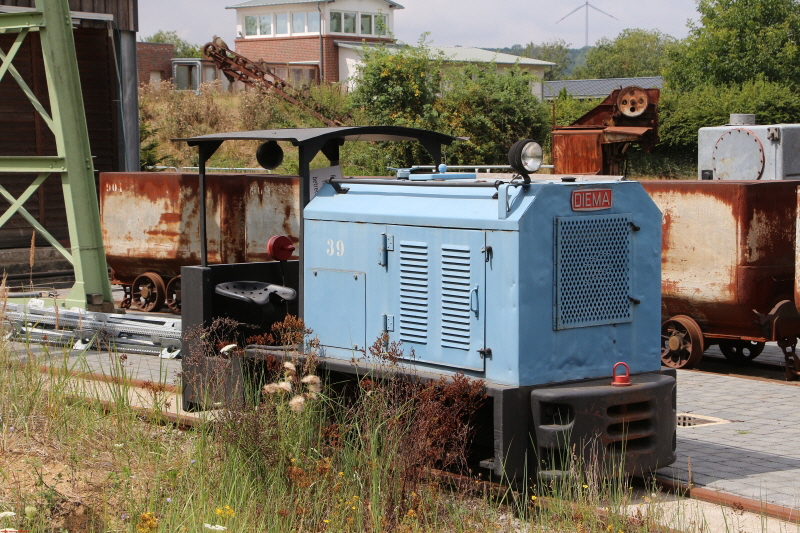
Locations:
(154, 61)
(300, 40)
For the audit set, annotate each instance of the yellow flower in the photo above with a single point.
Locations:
(353, 508)
(341, 474)
(533, 497)
(218, 511)
(586, 486)
(411, 513)
(327, 521)
(147, 523)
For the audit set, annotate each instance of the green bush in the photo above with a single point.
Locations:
(682, 113)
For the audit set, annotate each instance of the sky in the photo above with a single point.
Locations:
(479, 23)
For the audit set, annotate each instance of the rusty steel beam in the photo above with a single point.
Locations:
(237, 67)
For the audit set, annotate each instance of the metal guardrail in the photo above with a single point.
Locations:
(476, 168)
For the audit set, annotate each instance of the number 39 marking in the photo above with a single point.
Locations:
(335, 248)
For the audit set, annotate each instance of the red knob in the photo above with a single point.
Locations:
(280, 247)
(623, 380)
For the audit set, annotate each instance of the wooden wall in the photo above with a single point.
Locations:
(125, 11)
(23, 132)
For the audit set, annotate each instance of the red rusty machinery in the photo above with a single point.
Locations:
(728, 269)
(258, 75)
(151, 227)
(597, 143)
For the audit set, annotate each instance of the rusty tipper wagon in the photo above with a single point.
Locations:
(728, 256)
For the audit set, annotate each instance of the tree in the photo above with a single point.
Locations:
(682, 113)
(410, 86)
(182, 48)
(556, 51)
(634, 52)
(739, 40)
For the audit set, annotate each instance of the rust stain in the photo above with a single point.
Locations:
(727, 249)
(151, 221)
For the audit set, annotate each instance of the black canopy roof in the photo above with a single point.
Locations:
(301, 136)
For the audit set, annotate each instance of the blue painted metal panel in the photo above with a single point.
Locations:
(385, 229)
(437, 277)
(346, 329)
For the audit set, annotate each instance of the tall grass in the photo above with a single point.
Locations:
(351, 456)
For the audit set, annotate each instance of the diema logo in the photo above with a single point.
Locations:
(591, 199)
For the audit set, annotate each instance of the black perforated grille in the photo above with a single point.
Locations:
(592, 271)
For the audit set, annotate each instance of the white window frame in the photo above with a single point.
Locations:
(374, 17)
(258, 18)
(273, 17)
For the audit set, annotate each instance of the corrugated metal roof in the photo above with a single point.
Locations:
(598, 88)
(260, 3)
(466, 54)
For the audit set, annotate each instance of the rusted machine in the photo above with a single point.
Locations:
(728, 268)
(597, 142)
(237, 67)
(151, 224)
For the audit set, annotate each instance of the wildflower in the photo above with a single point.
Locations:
(290, 367)
(610, 528)
(229, 511)
(313, 383)
(118, 445)
(147, 523)
(341, 474)
(296, 404)
(586, 486)
(270, 388)
(8, 514)
(192, 462)
(327, 521)
(533, 498)
(31, 512)
(411, 513)
(169, 500)
(215, 527)
(285, 386)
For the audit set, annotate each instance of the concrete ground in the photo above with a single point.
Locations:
(753, 452)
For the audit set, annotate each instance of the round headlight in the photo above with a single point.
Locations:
(525, 156)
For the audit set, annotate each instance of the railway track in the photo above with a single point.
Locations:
(769, 366)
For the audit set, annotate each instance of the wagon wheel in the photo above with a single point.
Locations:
(739, 351)
(148, 292)
(681, 342)
(174, 295)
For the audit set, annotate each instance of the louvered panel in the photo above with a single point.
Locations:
(414, 292)
(456, 290)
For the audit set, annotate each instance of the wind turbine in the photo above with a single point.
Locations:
(586, 5)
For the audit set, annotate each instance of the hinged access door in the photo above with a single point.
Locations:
(438, 281)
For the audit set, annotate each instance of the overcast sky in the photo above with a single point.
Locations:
(479, 23)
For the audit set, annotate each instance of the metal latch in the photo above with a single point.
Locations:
(388, 322)
(485, 353)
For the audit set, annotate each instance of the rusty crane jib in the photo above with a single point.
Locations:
(239, 68)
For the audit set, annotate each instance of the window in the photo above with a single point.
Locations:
(349, 22)
(298, 22)
(380, 24)
(343, 22)
(281, 23)
(366, 24)
(250, 25)
(336, 22)
(257, 25)
(265, 25)
(313, 22)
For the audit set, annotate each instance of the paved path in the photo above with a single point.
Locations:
(756, 454)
